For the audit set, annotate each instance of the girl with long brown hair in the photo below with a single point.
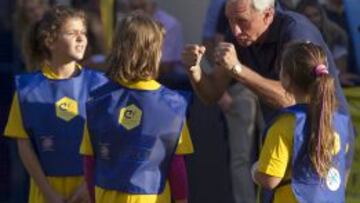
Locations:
(304, 151)
(136, 132)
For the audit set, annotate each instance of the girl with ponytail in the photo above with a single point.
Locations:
(304, 151)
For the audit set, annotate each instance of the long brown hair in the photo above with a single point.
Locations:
(136, 50)
(299, 62)
(45, 32)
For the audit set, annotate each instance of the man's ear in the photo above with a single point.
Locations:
(268, 15)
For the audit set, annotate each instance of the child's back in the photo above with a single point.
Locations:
(305, 150)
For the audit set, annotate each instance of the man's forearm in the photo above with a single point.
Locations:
(210, 87)
(270, 91)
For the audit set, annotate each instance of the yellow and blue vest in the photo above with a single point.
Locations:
(53, 113)
(305, 182)
(134, 134)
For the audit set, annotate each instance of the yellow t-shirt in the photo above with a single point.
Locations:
(275, 156)
(103, 196)
(65, 186)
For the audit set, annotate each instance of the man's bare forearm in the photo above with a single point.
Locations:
(270, 91)
(206, 88)
(209, 87)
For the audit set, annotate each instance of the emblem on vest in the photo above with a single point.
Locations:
(333, 179)
(47, 143)
(104, 151)
(130, 117)
(66, 108)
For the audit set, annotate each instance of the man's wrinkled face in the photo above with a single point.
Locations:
(247, 24)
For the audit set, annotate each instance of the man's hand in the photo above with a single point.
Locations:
(225, 56)
(191, 57)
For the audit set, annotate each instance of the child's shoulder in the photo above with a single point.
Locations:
(106, 87)
(27, 75)
(94, 78)
(24, 79)
(283, 123)
(285, 118)
(289, 114)
(176, 95)
(92, 72)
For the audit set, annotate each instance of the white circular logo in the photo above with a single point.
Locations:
(333, 179)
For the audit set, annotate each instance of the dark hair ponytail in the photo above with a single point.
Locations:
(322, 107)
(305, 66)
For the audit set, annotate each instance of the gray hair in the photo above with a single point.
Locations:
(260, 5)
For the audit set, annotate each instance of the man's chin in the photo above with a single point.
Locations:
(244, 43)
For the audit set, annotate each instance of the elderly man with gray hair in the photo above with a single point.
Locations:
(259, 34)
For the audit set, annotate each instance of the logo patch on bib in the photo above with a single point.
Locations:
(66, 108)
(130, 117)
(333, 179)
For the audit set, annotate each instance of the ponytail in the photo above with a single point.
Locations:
(305, 66)
(322, 108)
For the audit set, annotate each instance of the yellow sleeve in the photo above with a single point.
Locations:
(276, 152)
(14, 127)
(185, 145)
(86, 147)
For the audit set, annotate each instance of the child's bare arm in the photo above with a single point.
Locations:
(32, 165)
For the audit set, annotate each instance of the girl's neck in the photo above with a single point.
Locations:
(63, 70)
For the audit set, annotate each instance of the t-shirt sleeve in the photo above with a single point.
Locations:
(14, 127)
(86, 146)
(276, 152)
(185, 145)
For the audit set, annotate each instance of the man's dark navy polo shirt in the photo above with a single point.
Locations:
(264, 57)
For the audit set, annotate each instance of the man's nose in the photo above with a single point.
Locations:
(236, 30)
